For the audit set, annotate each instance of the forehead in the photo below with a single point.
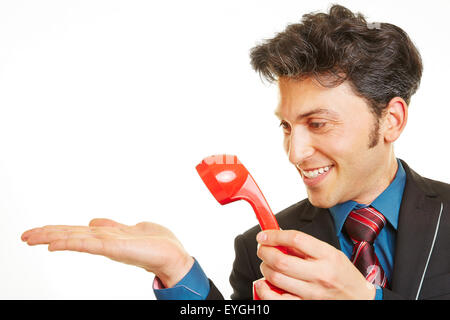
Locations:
(308, 96)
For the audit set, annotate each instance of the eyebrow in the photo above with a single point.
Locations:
(318, 111)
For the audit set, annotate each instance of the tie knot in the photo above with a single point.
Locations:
(364, 224)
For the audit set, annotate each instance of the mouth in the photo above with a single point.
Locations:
(314, 176)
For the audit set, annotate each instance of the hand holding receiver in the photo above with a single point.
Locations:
(228, 181)
(146, 245)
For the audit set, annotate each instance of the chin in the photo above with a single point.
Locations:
(320, 202)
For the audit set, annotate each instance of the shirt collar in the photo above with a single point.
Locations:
(388, 202)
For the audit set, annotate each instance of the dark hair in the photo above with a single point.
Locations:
(379, 59)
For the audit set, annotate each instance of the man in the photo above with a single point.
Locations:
(371, 227)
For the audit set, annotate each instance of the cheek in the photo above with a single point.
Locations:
(346, 150)
(334, 146)
(286, 141)
(352, 158)
(346, 142)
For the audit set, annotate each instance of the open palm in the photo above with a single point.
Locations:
(147, 245)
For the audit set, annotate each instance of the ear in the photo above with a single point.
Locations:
(394, 119)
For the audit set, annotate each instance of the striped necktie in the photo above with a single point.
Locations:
(363, 226)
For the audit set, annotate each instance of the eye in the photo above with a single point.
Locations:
(285, 126)
(317, 125)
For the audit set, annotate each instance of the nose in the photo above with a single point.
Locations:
(299, 146)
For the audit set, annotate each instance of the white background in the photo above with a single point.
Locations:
(107, 106)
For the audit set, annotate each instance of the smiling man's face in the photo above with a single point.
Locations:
(332, 137)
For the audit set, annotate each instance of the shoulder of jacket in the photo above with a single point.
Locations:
(430, 187)
(442, 189)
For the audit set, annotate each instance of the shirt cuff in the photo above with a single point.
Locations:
(193, 286)
(378, 293)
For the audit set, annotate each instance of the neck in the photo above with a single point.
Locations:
(382, 180)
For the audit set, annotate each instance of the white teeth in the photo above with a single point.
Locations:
(314, 173)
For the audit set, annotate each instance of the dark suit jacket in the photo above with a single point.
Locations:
(422, 251)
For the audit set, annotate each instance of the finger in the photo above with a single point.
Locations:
(51, 233)
(289, 265)
(298, 240)
(131, 252)
(88, 245)
(102, 222)
(153, 229)
(27, 233)
(266, 293)
(294, 286)
(49, 228)
(49, 236)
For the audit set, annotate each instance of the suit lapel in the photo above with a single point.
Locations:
(322, 227)
(417, 221)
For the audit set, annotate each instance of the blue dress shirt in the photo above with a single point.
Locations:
(195, 284)
(388, 204)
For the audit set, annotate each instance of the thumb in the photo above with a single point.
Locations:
(101, 222)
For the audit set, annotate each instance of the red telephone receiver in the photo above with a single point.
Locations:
(228, 181)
